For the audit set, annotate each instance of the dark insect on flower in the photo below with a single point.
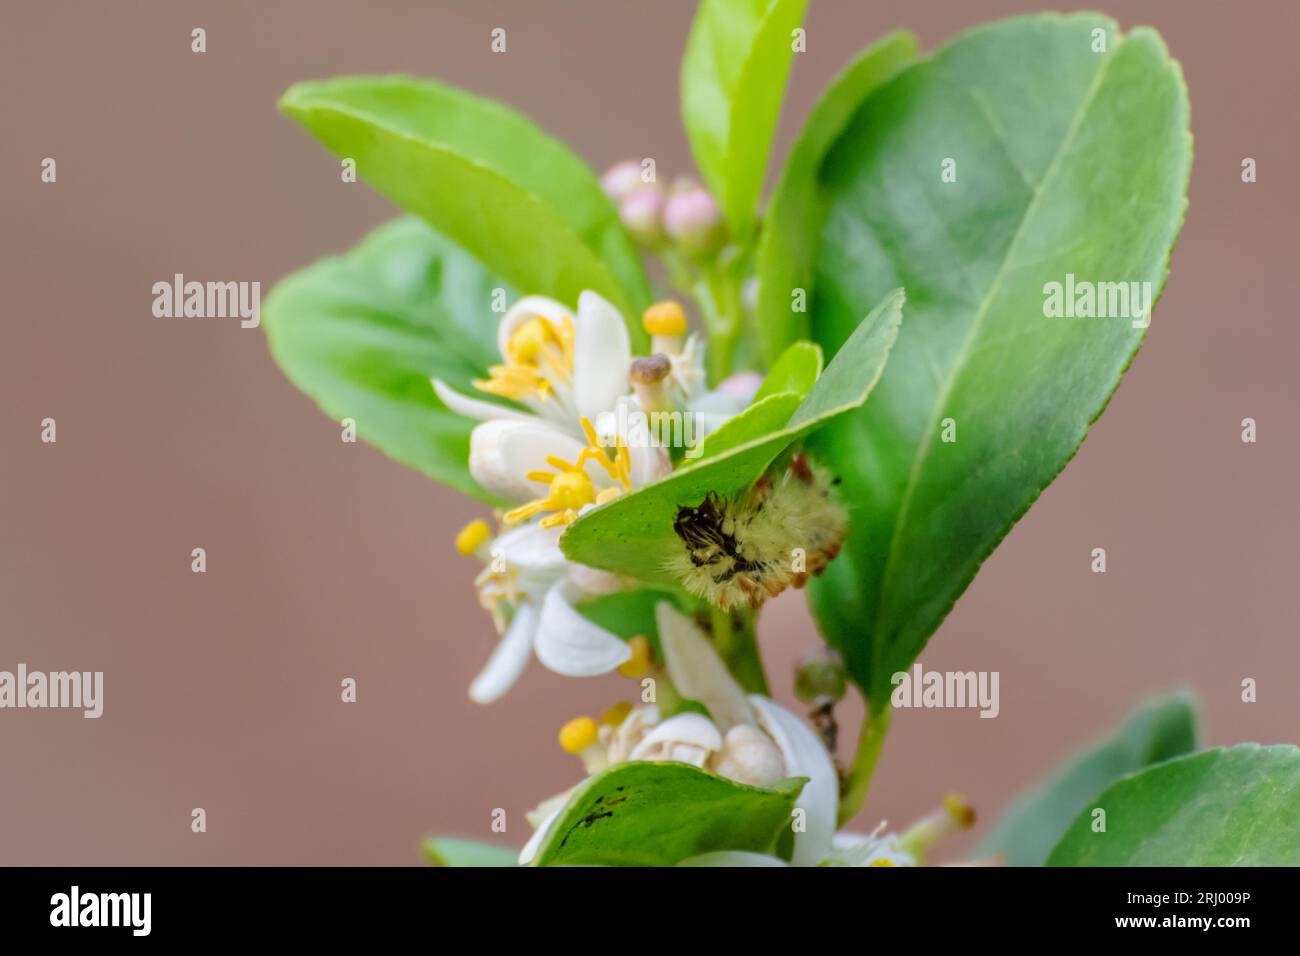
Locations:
(740, 551)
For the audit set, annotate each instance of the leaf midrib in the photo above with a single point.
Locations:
(954, 372)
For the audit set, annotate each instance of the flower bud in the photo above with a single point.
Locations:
(819, 679)
(642, 214)
(692, 220)
(622, 180)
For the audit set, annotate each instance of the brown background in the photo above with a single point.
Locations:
(327, 560)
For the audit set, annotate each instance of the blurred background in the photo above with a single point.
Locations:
(326, 560)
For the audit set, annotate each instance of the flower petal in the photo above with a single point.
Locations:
(503, 451)
(474, 407)
(535, 841)
(696, 670)
(532, 549)
(805, 756)
(733, 858)
(530, 306)
(570, 644)
(695, 730)
(602, 352)
(510, 657)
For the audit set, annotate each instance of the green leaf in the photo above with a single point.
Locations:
(483, 176)
(658, 814)
(733, 78)
(362, 334)
(1068, 162)
(633, 533)
(1156, 731)
(450, 851)
(765, 416)
(795, 370)
(1233, 806)
(792, 226)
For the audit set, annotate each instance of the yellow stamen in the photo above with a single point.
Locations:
(537, 353)
(578, 734)
(638, 665)
(472, 537)
(962, 813)
(529, 341)
(664, 318)
(570, 488)
(616, 714)
(882, 862)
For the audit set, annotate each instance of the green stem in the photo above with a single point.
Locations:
(737, 643)
(870, 740)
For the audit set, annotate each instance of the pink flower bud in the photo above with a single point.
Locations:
(692, 219)
(622, 180)
(642, 214)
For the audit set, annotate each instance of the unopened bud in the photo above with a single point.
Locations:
(642, 215)
(692, 220)
(819, 678)
(622, 180)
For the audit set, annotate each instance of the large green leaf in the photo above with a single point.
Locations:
(485, 177)
(1068, 162)
(1233, 806)
(733, 78)
(451, 851)
(1156, 731)
(362, 333)
(658, 814)
(793, 222)
(633, 534)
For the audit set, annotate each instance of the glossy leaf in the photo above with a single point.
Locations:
(483, 176)
(1068, 162)
(1158, 730)
(451, 851)
(362, 333)
(733, 79)
(792, 226)
(633, 534)
(658, 814)
(1234, 806)
(795, 370)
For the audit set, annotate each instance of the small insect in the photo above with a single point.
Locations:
(741, 551)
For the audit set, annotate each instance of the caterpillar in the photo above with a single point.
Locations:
(739, 551)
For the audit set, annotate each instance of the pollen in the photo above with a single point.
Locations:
(638, 665)
(616, 714)
(664, 318)
(578, 734)
(472, 537)
(882, 862)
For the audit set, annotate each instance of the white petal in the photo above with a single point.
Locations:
(510, 657)
(502, 452)
(475, 408)
(732, 858)
(535, 841)
(570, 644)
(532, 549)
(693, 729)
(805, 756)
(696, 670)
(526, 308)
(601, 355)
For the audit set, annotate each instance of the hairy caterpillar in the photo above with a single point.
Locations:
(741, 551)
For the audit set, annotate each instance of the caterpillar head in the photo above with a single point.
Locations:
(739, 551)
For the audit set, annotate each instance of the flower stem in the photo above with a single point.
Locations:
(870, 740)
(734, 637)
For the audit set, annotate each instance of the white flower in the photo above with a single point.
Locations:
(748, 738)
(530, 590)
